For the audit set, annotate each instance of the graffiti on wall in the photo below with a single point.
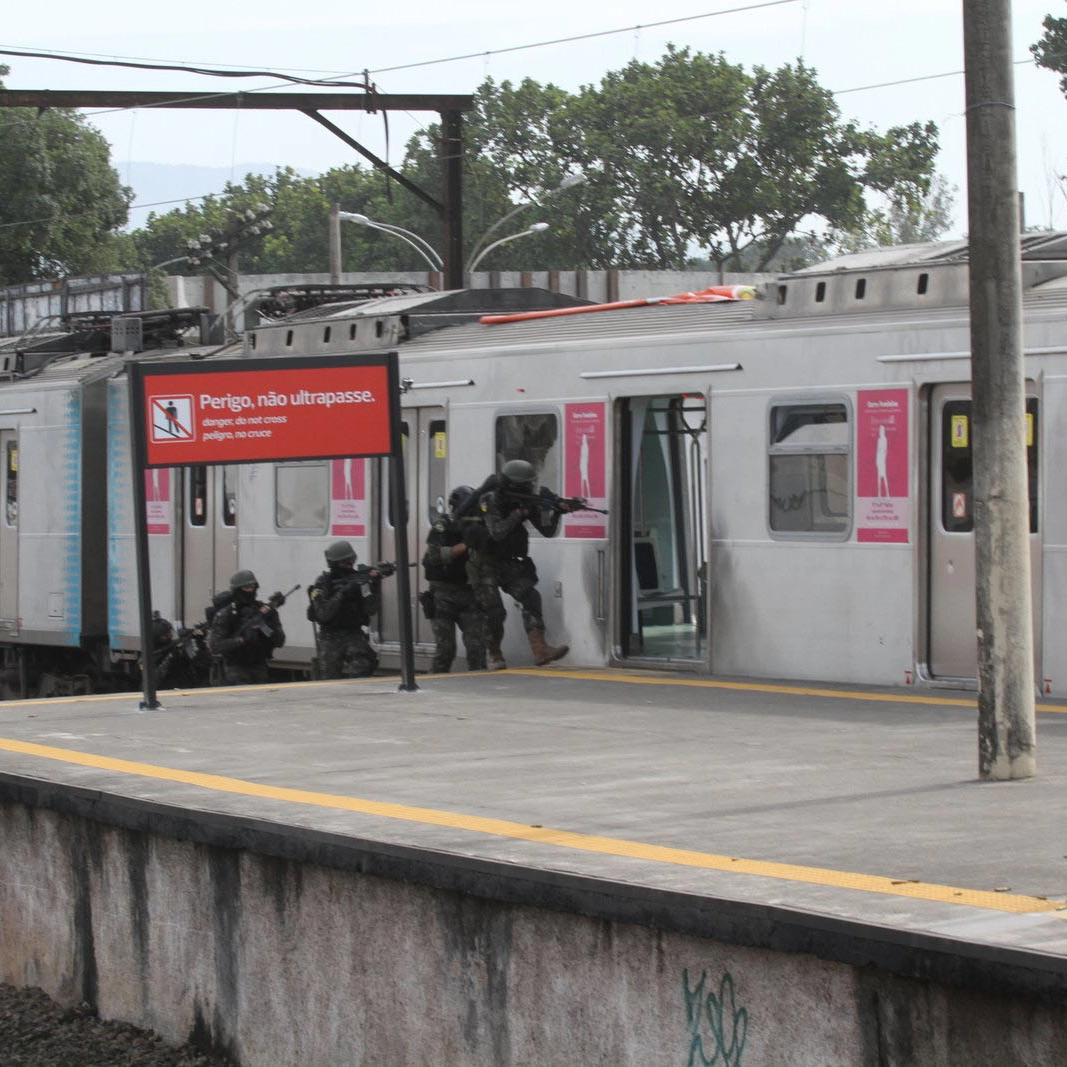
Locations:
(717, 1026)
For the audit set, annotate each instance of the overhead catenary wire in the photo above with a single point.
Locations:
(334, 79)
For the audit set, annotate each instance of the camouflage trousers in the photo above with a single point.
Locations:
(345, 653)
(490, 576)
(454, 605)
(244, 674)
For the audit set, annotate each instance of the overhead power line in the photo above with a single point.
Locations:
(213, 72)
(583, 36)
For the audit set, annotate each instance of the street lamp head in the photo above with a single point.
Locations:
(420, 244)
(537, 227)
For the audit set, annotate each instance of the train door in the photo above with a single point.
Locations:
(662, 555)
(209, 536)
(424, 433)
(953, 650)
(9, 532)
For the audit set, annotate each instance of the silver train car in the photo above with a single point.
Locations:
(786, 481)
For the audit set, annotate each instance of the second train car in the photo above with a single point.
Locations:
(787, 480)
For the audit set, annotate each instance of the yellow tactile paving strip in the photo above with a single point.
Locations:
(994, 901)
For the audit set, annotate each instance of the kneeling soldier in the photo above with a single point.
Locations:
(342, 602)
(245, 632)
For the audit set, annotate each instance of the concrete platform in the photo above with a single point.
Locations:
(784, 815)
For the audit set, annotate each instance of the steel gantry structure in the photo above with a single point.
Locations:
(450, 107)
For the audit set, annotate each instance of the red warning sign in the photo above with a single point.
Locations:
(268, 411)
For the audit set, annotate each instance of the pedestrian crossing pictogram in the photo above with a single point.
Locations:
(172, 418)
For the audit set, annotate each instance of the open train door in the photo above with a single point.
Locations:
(952, 643)
(424, 437)
(662, 551)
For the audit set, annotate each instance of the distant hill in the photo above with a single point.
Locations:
(163, 187)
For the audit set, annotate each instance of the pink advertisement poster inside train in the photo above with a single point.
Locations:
(348, 497)
(585, 458)
(882, 469)
(157, 500)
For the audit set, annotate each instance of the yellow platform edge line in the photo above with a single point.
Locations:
(917, 696)
(1004, 902)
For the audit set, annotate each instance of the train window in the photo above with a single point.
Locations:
(229, 495)
(809, 459)
(326, 333)
(437, 468)
(533, 437)
(820, 292)
(861, 288)
(352, 332)
(1032, 438)
(302, 496)
(197, 482)
(924, 284)
(11, 484)
(288, 338)
(957, 468)
(783, 292)
(957, 465)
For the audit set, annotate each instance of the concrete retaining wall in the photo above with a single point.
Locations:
(280, 946)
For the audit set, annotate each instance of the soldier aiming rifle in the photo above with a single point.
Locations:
(245, 631)
(501, 561)
(341, 602)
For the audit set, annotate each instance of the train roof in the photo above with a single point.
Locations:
(934, 292)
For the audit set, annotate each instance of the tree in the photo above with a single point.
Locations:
(692, 155)
(906, 220)
(61, 202)
(703, 155)
(1051, 51)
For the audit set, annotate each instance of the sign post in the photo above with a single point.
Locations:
(253, 411)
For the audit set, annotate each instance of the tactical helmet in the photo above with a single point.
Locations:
(340, 552)
(458, 495)
(242, 578)
(518, 474)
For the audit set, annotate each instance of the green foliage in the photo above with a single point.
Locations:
(686, 158)
(689, 158)
(61, 201)
(1051, 51)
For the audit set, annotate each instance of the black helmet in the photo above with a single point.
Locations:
(162, 631)
(341, 552)
(459, 495)
(518, 474)
(239, 579)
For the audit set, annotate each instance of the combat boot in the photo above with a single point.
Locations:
(545, 653)
(494, 658)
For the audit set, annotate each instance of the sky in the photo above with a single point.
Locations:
(888, 64)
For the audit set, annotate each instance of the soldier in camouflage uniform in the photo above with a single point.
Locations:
(245, 632)
(502, 561)
(341, 605)
(451, 599)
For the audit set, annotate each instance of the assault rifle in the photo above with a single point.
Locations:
(275, 600)
(548, 500)
(362, 575)
(544, 498)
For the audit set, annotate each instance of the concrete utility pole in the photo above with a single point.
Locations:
(1006, 734)
(335, 244)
